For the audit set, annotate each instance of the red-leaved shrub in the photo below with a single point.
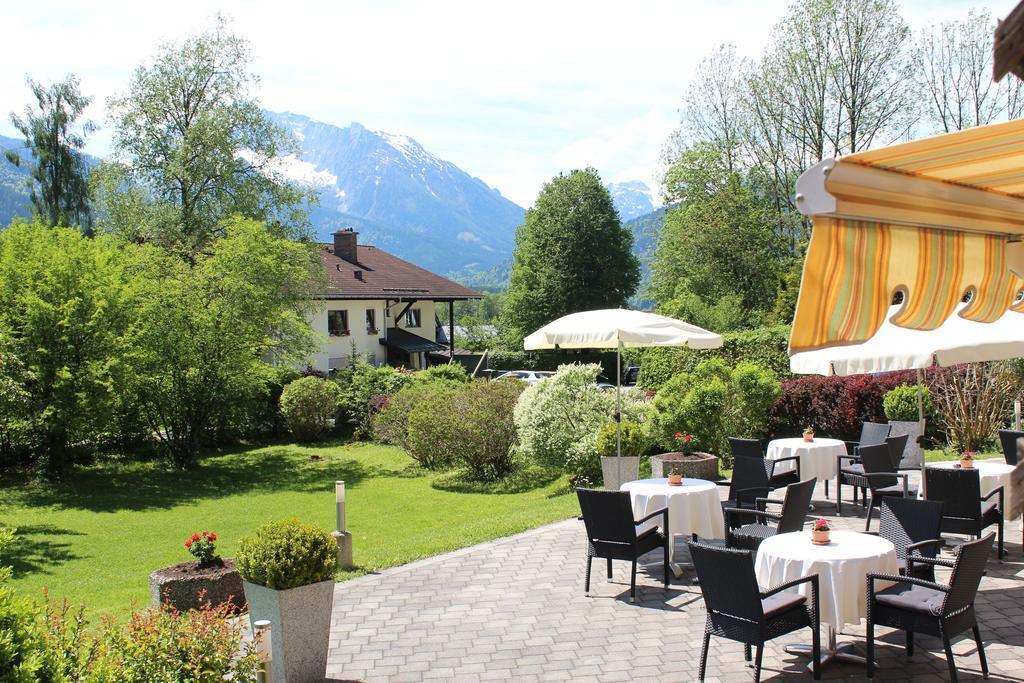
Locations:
(834, 406)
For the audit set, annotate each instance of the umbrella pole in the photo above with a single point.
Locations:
(618, 414)
(920, 420)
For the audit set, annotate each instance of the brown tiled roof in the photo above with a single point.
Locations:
(384, 276)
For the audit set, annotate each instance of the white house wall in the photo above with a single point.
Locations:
(339, 349)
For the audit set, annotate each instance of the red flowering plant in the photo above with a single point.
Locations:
(822, 525)
(686, 443)
(203, 546)
(968, 455)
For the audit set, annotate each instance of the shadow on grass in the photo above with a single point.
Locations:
(134, 485)
(528, 478)
(39, 548)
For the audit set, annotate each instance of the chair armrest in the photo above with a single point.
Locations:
(662, 511)
(794, 458)
(896, 578)
(999, 490)
(760, 502)
(934, 561)
(851, 446)
(812, 578)
(924, 544)
(905, 477)
(722, 482)
(741, 493)
(851, 458)
(750, 511)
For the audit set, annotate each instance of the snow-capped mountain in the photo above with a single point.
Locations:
(632, 198)
(401, 197)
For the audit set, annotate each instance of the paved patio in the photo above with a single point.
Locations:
(514, 609)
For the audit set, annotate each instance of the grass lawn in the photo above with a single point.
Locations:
(96, 537)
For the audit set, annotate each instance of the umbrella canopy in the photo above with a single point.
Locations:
(617, 328)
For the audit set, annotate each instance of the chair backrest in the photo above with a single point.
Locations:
(876, 460)
(794, 508)
(727, 581)
(958, 489)
(966, 576)
(607, 515)
(897, 444)
(905, 521)
(1008, 440)
(748, 473)
(873, 433)
(745, 448)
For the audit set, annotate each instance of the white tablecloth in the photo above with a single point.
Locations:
(817, 458)
(693, 508)
(841, 567)
(992, 474)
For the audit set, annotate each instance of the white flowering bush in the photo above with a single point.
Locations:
(558, 420)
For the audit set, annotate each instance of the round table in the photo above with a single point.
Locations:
(841, 566)
(993, 474)
(693, 508)
(817, 458)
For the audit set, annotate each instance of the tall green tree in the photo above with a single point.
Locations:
(66, 315)
(58, 174)
(193, 147)
(572, 254)
(210, 331)
(718, 256)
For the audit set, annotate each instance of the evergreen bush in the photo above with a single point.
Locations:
(900, 403)
(287, 554)
(308, 404)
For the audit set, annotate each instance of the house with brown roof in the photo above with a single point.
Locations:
(380, 306)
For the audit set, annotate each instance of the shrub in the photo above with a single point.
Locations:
(557, 420)
(22, 644)
(479, 424)
(197, 646)
(450, 372)
(428, 439)
(834, 406)
(713, 403)
(390, 424)
(360, 385)
(972, 402)
(900, 403)
(287, 554)
(634, 440)
(308, 404)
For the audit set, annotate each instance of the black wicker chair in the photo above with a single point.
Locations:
(792, 517)
(738, 610)
(883, 479)
(964, 509)
(751, 448)
(871, 434)
(853, 473)
(918, 606)
(611, 532)
(749, 482)
(915, 528)
(897, 444)
(1008, 440)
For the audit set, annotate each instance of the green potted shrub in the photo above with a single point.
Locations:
(618, 470)
(288, 571)
(900, 406)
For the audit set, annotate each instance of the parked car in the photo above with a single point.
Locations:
(630, 376)
(528, 376)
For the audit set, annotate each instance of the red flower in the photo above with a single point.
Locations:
(687, 438)
(213, 537)
(679, 435)
(188, 544)
(195, 537)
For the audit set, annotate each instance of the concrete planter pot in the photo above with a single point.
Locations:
(614, 477)
(300, 628)
(190, 585)
(692, 466)
(913, 456)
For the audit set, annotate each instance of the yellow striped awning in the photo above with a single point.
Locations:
(940, 220)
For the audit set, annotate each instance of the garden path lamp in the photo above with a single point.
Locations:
(619, 328)
(916, 257)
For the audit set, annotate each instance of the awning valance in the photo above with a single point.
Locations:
(940, 220)
(397, 338)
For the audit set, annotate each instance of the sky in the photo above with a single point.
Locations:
(512, 93)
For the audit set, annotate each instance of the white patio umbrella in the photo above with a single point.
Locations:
(619, 328)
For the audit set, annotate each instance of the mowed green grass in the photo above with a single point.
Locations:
(96, 537)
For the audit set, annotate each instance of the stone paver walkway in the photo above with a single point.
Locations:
(514, 609)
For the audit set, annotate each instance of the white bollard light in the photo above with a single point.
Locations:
(263, 649)
(341, 536)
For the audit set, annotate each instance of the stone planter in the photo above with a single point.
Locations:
(913, 456)
(300, 627)
(187, 586)
(693, 466)
(614, 477)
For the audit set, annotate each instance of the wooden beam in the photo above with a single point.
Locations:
(404, 310)
(1008, 45)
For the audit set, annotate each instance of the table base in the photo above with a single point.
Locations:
(831, 651)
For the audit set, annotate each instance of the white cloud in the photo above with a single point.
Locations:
(511, 93)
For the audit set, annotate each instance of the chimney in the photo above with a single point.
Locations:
(345, 245)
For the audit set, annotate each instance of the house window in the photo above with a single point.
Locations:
(371, 321)
(412, 317)
(337, 323)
